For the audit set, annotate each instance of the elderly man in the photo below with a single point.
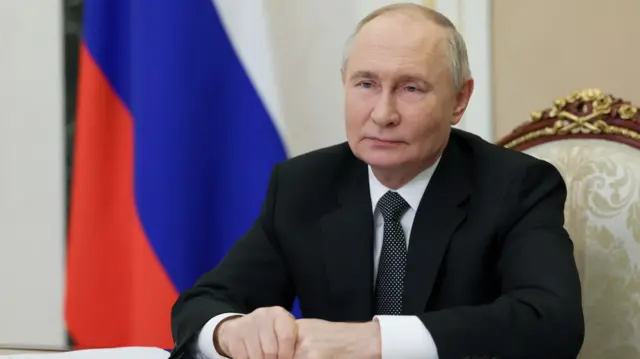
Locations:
(412, 240)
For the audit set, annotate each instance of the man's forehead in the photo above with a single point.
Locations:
(399, 33)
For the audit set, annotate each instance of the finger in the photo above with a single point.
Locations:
(269, 342)
(286, 331)
(237, 350)
(252, 346)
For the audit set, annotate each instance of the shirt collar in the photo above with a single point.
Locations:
(411, 192)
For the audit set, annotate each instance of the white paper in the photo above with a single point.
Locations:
(119, 353)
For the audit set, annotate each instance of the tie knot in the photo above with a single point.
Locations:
(392, 206)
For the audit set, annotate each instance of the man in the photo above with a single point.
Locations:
(412, 240)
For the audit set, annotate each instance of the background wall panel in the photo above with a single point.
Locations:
(32, 183)
(545, 49)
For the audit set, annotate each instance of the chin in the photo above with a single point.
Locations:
(381, 160)
(377, 156)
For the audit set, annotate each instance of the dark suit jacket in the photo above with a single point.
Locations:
(490, 269)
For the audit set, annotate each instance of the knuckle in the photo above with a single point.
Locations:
(259, 311)
(270, 312)
(233, 325)
(277, 311)
(281, 310)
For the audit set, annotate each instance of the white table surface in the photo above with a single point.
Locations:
(119, 353)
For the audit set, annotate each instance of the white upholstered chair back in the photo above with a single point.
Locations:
(593, 139)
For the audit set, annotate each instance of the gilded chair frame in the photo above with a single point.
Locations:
(588, 113)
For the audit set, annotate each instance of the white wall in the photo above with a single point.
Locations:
(31, 173)
(307, 65)
(473, 20)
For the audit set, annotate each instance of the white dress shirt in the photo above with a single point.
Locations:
(402, 337)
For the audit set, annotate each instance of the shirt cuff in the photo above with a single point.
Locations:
(405, 337)
(205, 348)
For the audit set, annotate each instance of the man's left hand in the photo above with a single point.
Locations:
(323, 339)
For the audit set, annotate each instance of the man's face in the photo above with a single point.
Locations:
(400, 98)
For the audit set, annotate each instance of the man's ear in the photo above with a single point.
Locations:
(462, 101)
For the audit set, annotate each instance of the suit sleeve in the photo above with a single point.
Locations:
(251, 275)
(539, 313)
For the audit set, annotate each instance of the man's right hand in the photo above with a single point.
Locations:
(268, 333)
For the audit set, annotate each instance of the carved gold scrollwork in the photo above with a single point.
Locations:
(627, 111)
(588, 111)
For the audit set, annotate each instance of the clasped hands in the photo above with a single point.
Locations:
(273, 333)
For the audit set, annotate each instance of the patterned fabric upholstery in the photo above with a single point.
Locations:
(601, 167)
(602, 214)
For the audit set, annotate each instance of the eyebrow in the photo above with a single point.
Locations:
(414, 78)
(363, 74)
(402, 78)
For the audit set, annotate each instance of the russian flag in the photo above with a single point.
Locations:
(176, 136)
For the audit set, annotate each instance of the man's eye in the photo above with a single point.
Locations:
(366, 85)
(411, 88)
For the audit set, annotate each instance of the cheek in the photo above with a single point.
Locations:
(357, 111)
(419, 120)
(423, 124)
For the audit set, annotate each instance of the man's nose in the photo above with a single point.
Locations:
(385, 113)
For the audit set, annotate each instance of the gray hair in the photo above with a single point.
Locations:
(456, 47)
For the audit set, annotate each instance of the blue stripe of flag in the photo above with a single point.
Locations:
(204, 142)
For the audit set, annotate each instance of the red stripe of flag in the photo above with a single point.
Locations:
(118, 294)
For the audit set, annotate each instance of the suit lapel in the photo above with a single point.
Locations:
(439, 214)
(348, 235)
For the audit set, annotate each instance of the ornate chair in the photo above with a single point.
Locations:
(594, 141)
